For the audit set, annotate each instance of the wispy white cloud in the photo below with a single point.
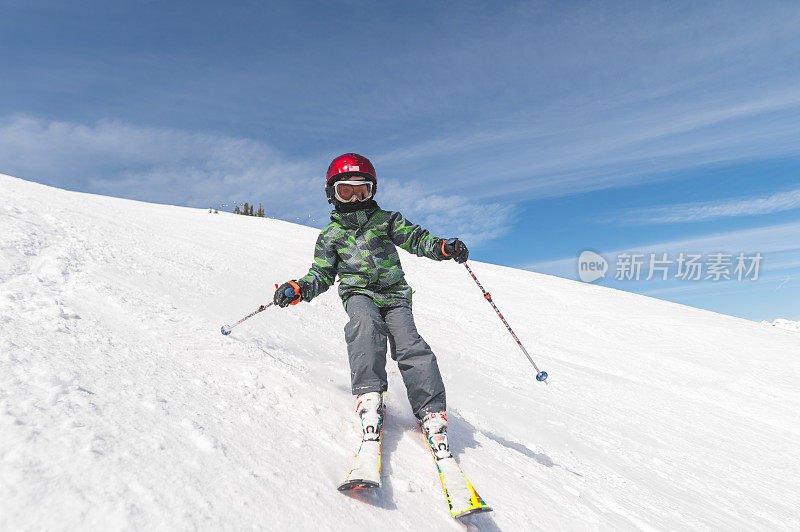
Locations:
(780, 248)
(685, 291)
(553, 101)
(153, 164)
(642, 101)
(566, 152)
(773, 239)
(475, 222)
(693, 212)
(206, 169)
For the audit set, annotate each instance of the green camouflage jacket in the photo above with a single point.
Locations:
(359, 247)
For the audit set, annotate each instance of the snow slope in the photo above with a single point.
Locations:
(784, 324)
(123, 407)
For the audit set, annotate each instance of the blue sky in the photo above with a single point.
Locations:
(534, 130)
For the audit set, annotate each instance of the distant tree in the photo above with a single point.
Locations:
(216, 211)
(209, 210)
(260, 212)
(246, 210)
(251, 210)
(236, 210)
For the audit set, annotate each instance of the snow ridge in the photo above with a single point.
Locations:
(784, 324)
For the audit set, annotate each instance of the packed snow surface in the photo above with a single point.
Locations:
(123, 407)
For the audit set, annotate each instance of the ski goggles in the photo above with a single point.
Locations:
(347, 191)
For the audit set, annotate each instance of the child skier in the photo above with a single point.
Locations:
(358, 245)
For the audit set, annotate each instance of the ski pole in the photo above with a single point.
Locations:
(226, 329)
(541, 376)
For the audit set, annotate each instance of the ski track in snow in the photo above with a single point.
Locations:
(123, 407)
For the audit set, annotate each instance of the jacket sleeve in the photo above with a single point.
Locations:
(322, 273)
(413, 238)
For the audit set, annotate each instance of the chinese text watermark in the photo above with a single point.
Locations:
(716, 266)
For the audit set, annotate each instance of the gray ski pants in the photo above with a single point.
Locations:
(366, 334)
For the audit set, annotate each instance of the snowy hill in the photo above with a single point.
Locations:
(784, 324)
(122, 406)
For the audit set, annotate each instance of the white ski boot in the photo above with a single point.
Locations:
(366, 470)
(434, 426)
(369, 407)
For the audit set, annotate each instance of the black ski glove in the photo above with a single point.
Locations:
(289, 293)
(455, 249)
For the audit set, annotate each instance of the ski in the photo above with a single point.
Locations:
(461, 496)
(366, 470)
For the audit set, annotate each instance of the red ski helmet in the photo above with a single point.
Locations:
(348, 165)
